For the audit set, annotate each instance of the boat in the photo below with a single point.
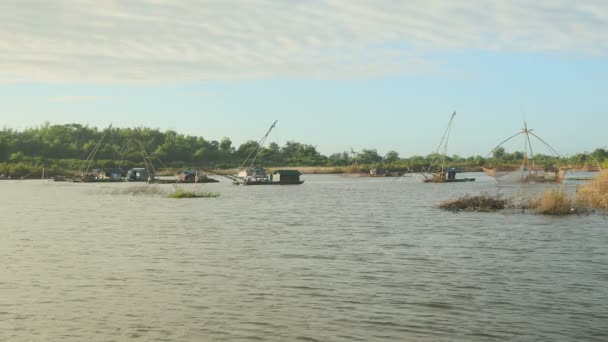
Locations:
(437, 172)
(255, 175)
(88, 175)
(277, 177)
(528, 171)
(187, 177)
(138, 174)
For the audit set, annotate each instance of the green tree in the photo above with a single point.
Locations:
(369, 156)
(499, 154)
(391, 157)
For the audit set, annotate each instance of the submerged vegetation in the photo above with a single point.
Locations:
(181, 193)
(479, 203)
(60, 149)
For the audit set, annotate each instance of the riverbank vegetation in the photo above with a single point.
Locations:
(61, 149)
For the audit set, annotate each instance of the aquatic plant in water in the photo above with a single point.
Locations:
(551, 202)
(484, 203)
(181, 193)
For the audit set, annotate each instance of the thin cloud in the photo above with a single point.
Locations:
(76, 99)
(186, 40)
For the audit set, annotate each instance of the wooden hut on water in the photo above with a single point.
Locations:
(193, 176)
(138, 174)
(286, 177)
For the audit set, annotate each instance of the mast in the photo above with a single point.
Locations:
(91, 156)
(525, 161)
(147, 161)
(443, 147)
(447, 137)
(258, 149)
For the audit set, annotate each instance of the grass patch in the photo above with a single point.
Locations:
(181, 193)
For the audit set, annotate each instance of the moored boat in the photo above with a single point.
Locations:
(437, 172)
(250, 175)
(278, 177)
(447, 176)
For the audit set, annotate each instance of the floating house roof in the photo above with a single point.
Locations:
(287, 172)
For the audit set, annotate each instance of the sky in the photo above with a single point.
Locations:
(336, 74)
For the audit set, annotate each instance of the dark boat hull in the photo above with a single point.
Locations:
(173, 181)
(460, 180)
(266, 183)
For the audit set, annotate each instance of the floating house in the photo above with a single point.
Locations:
(186, 176)
(93, 175)
(114, 174)
(252, 173)
(375, 172)
(286, 177)
(447, 175)
(193, 176)
(138, 174)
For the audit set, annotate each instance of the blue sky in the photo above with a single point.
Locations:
(336, 74)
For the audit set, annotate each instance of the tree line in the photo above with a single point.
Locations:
(61, 148)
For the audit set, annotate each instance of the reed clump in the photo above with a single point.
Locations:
(181, 193)
(554, 202)
(594, 194)
(478, 203)
(352, 169)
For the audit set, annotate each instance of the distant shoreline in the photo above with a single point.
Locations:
(325, 170)
(306, 170)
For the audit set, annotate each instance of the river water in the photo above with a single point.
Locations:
(335, 259)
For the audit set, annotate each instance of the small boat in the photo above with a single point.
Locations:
(437, 172)
(251, 175)
(193, 176)
(447, 176)
(139, 174)
(100, 176)
(278, 177)
(187, 177)
(88, 175)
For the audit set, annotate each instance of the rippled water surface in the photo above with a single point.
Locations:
(335, 259)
